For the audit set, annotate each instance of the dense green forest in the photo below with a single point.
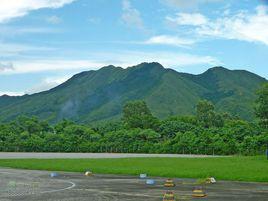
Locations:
(206, 132)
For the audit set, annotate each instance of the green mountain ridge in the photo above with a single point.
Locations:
(98, 95)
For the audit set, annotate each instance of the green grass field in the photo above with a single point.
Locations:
(225, 168)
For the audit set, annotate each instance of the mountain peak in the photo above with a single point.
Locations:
(108, 67)
(98, 95)
(148, 65)
(218, 68)
(5, 96)
(215, 71)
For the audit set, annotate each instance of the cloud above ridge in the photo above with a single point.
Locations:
(243, 26)
(10, 9)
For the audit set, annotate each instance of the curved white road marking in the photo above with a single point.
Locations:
(50, 191)
(63, 189)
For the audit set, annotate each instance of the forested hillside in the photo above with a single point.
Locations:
(206, 132)
(95, 96)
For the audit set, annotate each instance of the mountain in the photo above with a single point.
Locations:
(99, 95)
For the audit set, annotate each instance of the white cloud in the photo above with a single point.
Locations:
(123, 59)
(10, 9)
(47, 84)
(194, 19)
(131, 16)
(27, 66)
(169, 40)
(54, 19)
(242, 26)
(245, 26)
(6, 66)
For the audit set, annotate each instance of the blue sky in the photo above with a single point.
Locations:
(45, 42)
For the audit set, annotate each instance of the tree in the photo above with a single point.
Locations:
(170, 127)
(261, 108)
(136, 114)
(207, 116)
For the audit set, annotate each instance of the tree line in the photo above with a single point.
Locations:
(138, 131)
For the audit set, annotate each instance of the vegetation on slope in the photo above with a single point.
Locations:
(99, 95)
(208, 132)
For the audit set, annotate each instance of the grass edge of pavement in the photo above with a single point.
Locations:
(250, 169)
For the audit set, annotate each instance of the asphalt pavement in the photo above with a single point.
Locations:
(32, 185)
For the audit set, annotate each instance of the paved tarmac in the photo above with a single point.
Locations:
(28, 185)
(10, 155)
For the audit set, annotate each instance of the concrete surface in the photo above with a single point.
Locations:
(10, 155)
(26, 185)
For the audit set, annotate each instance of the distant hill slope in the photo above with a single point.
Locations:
(99, 95)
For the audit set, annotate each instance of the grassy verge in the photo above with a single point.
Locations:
(226, 168)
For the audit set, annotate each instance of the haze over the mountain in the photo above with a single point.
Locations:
(99, 95)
